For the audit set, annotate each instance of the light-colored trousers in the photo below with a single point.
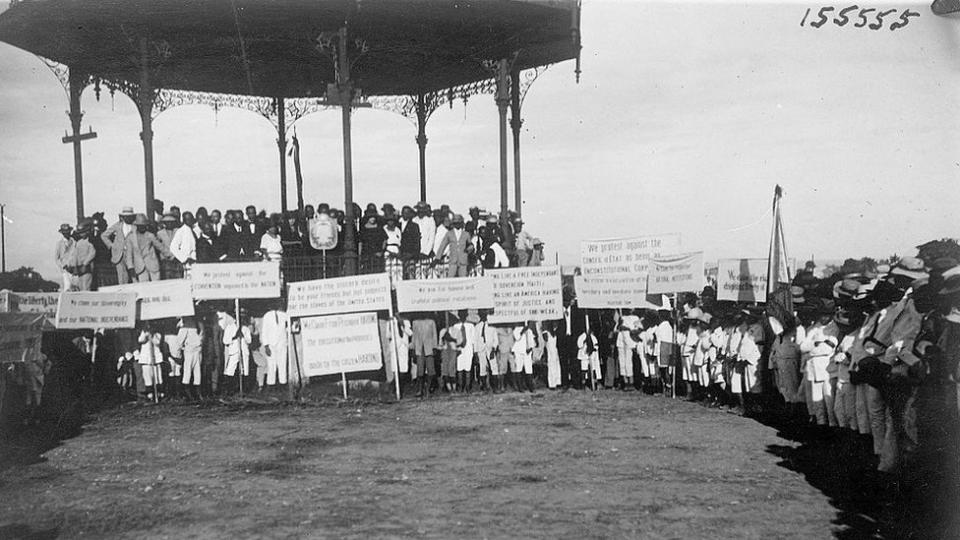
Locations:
(277, 364)
(191, 367)
(845, 405)
(626, 361)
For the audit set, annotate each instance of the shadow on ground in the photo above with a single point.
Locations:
(921, 503)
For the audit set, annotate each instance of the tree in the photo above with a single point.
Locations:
(26, 279)
(938, 249)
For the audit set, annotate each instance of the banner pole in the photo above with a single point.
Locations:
(343, 378)
(297, 355)
(589, 336)
(394, 335)
(676, 344)
(290, 392)
(238, 337)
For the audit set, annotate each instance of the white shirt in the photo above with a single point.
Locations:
(184, 244)
(499, 256)
(441, 232)
(271, 246)
(428, 232)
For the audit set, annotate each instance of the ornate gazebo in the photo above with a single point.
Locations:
(287, 58)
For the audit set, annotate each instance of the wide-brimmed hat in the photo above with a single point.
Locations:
(127, 211)
(951, 285)
(910, 267)
(65, 228)
(865, 289)
(846, 288)
(387, 206)
(537, 242)
(492, 218)
(693, 314)
(797, 292)
(943, 264)
(457, 218)
(169, 218)
(141, 219)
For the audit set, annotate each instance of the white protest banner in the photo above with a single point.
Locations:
(217, 281)
(446, 294)
(625, 256)
(339, 295)
(614, 293)
(20, 335)
(340, 344)
(159, 299)
(39, 302)
(92, 310)
(742, 280)
(530, 293)
(676, 273)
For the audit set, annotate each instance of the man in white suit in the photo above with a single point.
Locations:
(460, 248)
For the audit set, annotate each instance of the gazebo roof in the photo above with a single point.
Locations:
(271, 47)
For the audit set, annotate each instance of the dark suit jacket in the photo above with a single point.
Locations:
(410, 241)
(233, 242)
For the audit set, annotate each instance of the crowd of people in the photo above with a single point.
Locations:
(872, 353)
(416, 242)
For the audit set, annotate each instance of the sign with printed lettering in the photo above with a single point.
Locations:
(339, 295)
(742, 280)
(676, 273)
(625, 256)
(615, 293)
(92, 310)
(38, 302)
(447, 294)
(529, 293)
(159, 299)
(340, 344)
(223, 281)
(20, 335)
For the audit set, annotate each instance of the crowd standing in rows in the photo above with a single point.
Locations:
(414, 243)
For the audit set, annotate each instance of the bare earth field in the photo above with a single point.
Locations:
(549, 465)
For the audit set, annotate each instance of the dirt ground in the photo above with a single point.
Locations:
(571, 464)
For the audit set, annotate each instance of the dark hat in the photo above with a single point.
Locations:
(910, 267)
(387, 206)
(65, 228)
(951, 285)
(943, 264)
(84, 225)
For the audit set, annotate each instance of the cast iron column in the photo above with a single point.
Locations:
(145, 104)
(422, 144)
(515, 123)
(503, 100)
(282, 147)
(344, 86)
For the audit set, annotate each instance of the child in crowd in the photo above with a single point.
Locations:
(150, 358)
(589, 356)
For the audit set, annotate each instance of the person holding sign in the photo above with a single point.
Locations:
(273, 337)
(466, 332)
(485, 345)
(589, 355)
(237, 338)
(190, 342)
(525, 340)
(424, 340)
(151, 361)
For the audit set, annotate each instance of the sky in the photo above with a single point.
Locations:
(686, 117)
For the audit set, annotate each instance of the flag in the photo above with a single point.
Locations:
(779, 299)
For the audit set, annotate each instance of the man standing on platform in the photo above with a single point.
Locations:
(64, 245)
(184, 245)
(169, 265)
(428, 229)
(141, 252)
(524, 244)
(115, 238)
(460, 246)
(409, 242)
(79, 259)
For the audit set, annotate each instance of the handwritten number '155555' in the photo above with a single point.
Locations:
(858, 17)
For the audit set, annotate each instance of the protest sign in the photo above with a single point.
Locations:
(615, 293)
(444, 294)
(236, 280)
(742, 280)
(92, 310)
(159, 299)
(339, 295)
(676, 273)
(530, 293)
(38, 302)
(340, 344)
(8, 301)
(625, 256)
(20, 335)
